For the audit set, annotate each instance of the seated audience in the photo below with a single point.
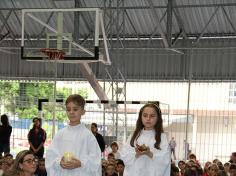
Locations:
(114, 147)
(120, 166)
(25, 164)
(213, 170)
(9, 159)
(111, 158)
(41, 170)
(174, 170)
(110, 170)
(232, 170)
(182, 167)
(226, 167)
(205, 169)
(233, 158)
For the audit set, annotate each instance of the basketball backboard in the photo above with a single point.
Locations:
(74, 31)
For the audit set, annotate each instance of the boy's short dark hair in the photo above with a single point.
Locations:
(181, 162)
(77, 99)
(94, 124)
(119, 161)
(115, 144)
(111, 154)
(232, 166)
(8, 154)
(42, 159)
(192, 156)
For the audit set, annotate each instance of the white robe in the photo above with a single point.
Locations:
(159, 165)
(82, 143)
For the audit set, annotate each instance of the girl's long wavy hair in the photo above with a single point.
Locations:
(158, 126)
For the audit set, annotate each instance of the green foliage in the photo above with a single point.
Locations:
(22, 98)
(39, 90)
(28, 113)
(7, 92)
(8, 89)
(83, 92)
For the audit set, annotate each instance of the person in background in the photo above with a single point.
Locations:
(110, 170)
(114, 147)
(213, 170)
(111, 157)
(174, 170)
(172, 144)
(205, 169)
(25, 164)
(101, 142)
(182, 167)
(192, 157)
(233, 158)
(4, 166)
(5, 134)
(120, 166)
(36, 137)
(74, 150)
(232, 170)
(226, 167)
(1, 163)
(147, 151)
(41, 170)
(9, 158)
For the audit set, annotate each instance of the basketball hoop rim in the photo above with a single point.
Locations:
(53, 53)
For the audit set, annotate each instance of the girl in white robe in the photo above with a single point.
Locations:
(154, 157)
(74, 150)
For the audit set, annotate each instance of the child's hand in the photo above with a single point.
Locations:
(144, 152)
(74, 163)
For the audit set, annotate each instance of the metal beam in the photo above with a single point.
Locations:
(148, 7)
(77, 15)
(89, 75)
(179, 19)
(120, 21)
(44, 28)
(156, 28)
(161, 31)
(18, 20)
(7, 26)
(203, 30)
(169, 22)
(132, 25)
(229, 20)
(88, 24)
(5, 21)
(174, 41)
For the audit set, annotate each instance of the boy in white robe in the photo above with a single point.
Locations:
(74, 150)
(147, 151)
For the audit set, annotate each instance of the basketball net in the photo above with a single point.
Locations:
(53, 54)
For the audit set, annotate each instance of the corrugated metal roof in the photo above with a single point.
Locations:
(194, 14)
(142, 58)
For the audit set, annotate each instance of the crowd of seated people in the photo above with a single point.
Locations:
(112, 167)
(192, 167)
(27, 164)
